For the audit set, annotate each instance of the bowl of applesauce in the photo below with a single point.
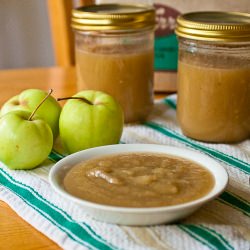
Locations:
(138, 184)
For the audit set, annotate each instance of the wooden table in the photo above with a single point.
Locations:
(61, 80)
(15, 233)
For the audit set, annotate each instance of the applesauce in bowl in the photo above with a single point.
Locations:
(152, 211)
(138, 180)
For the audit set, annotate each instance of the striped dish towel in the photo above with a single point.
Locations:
(221, 224)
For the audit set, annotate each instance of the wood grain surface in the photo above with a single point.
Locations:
(61, 80)
(15, 233)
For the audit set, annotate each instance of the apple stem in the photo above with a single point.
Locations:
(75, 97)
(38, 106)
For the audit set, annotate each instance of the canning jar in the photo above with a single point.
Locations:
(214, 76)
(114, 47)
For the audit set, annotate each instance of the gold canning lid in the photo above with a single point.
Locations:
(214, 26)
(106, 17)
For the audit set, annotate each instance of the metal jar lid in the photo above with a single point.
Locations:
(214, 26)
(111, 17)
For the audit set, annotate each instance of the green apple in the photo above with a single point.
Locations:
(29, 99)
(24, 143)
(91, 119)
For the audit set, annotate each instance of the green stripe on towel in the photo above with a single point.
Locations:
(207, 236)
(236, 202)
(55, 156)
(170, 102)
(58, 217)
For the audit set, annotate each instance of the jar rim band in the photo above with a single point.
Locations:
(214, 26)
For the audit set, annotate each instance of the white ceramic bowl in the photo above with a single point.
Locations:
(138, 216)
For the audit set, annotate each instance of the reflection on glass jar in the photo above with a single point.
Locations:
(214, 77)
(117, 58)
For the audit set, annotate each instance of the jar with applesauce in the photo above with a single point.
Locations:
(114, 47)
(214, 76)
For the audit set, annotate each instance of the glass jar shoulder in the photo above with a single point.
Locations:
(114, 42)
(215, 54)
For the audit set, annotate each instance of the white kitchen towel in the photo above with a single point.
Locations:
(221, 224)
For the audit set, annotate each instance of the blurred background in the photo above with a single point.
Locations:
(26, 39)
(30, 32)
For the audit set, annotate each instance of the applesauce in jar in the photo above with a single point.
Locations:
(214, 76)
(114, 54)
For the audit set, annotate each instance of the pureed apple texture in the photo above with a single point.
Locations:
(214, 76)
(114, 54)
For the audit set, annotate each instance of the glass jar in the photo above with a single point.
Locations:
(114, 46)
(214, 76)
